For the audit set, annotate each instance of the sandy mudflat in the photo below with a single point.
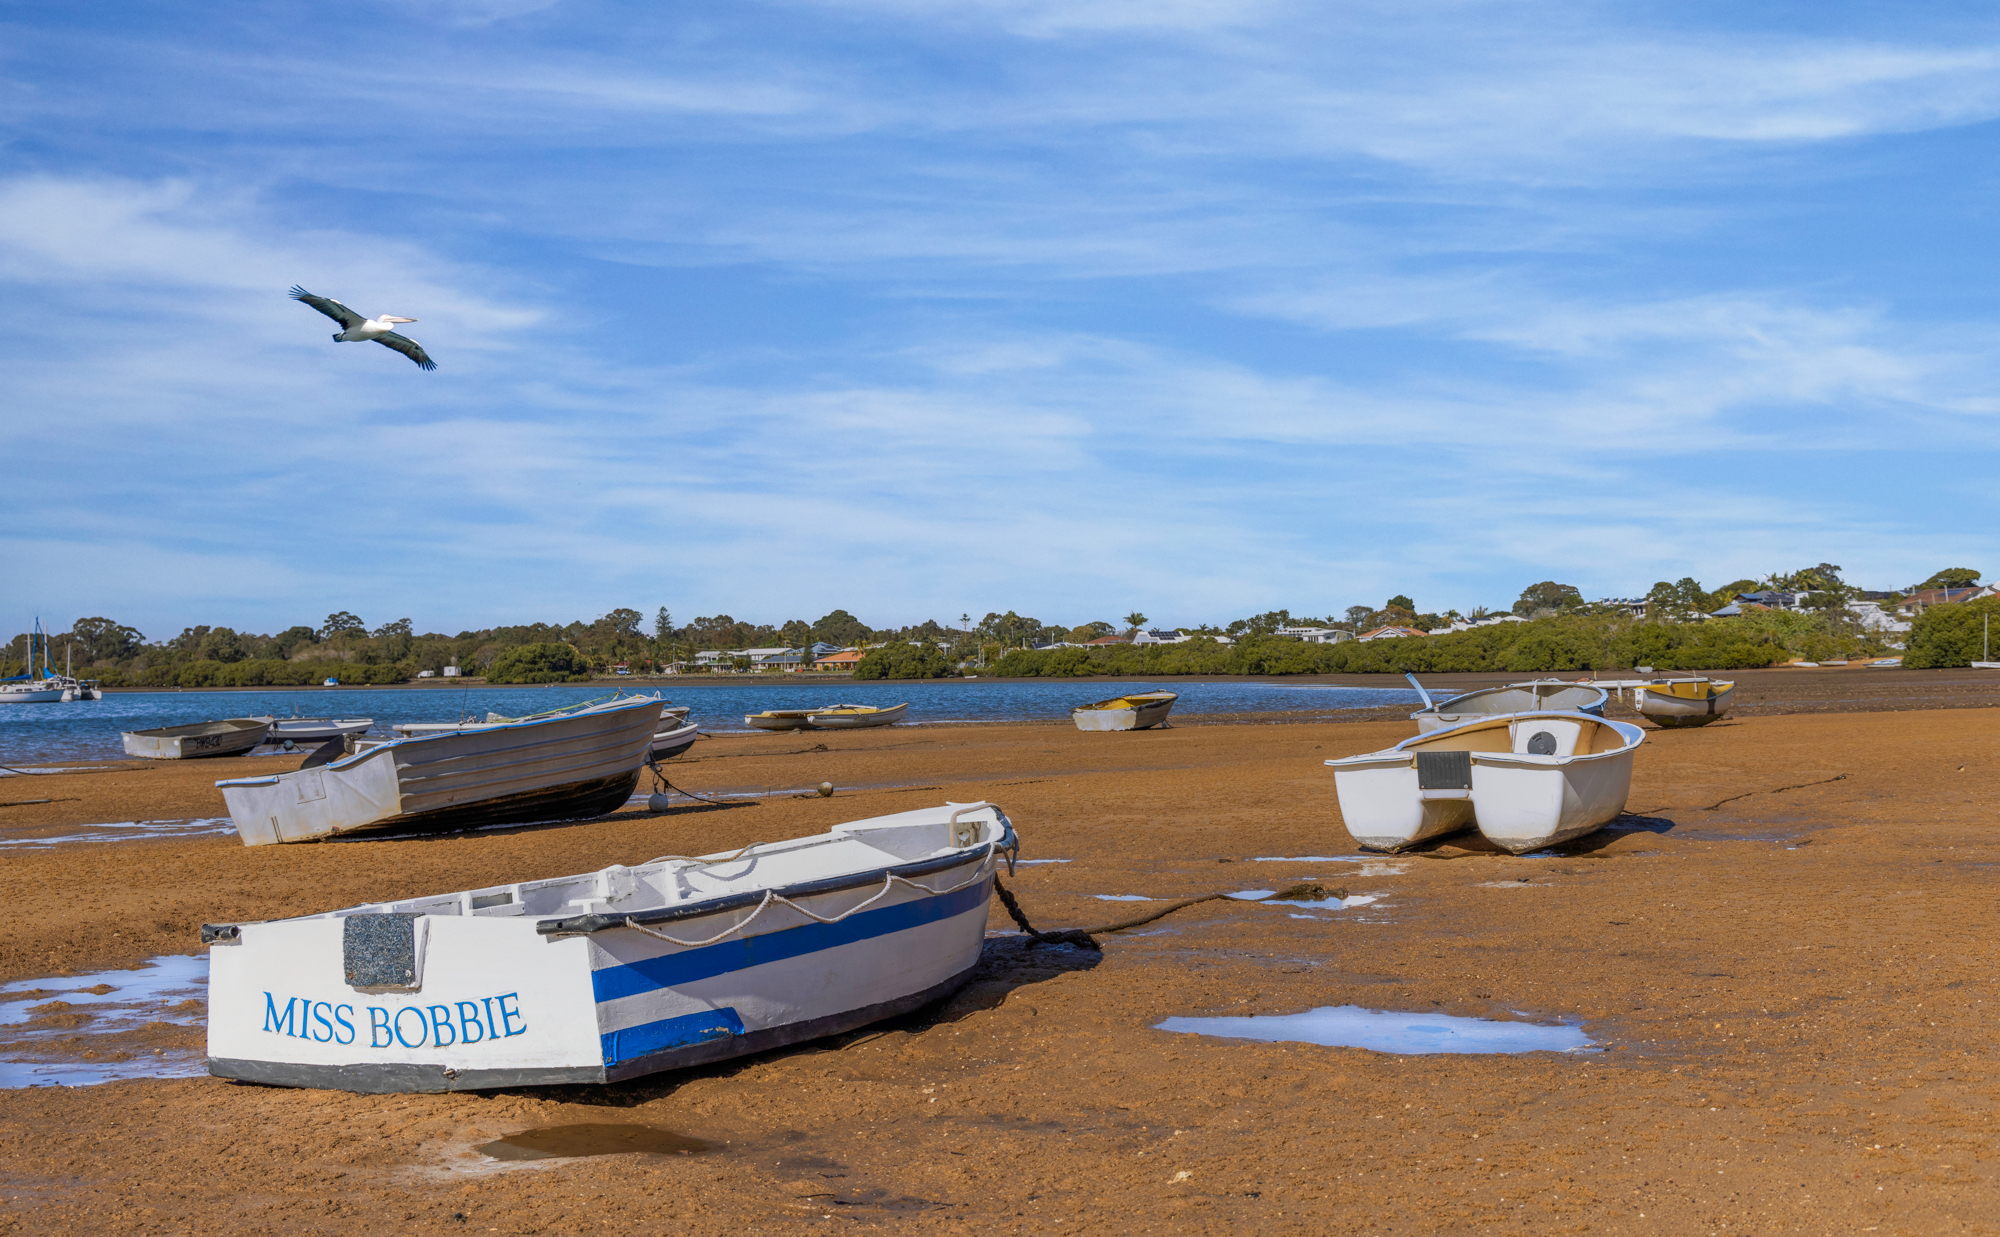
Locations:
(1792, 985)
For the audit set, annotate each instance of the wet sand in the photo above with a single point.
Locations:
(1791, 985)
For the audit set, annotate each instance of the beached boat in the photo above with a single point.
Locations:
(671, 741)
(610, 975)
(1138, 711)
(1540, 696)
(856, 716)
(231, 737)
(1525, 780)
(781, 719)
(555, 768)
(317, 729)
(1683, 702)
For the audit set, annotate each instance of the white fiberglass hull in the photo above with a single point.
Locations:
(1142, 715)
(30, 695)
(317, 729)
(548, 981)
(859, 721)
(1525, 781)
(672, 742)
(557, 768)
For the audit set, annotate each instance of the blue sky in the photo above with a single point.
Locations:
(925, 308)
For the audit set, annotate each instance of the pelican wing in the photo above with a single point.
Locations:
(408, 347)
(333, 309)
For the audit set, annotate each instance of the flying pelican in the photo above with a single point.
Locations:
(357, 329)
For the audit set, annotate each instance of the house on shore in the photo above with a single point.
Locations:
(1391, 633)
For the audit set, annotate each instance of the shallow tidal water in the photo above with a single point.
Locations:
(88, 730)
(105, 1026)
(1351, 1026)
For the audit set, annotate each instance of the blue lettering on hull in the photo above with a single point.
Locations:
(411, 1026)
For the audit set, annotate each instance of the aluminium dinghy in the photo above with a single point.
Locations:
(555, 768)
(612, 974)
(231, 737)
(1525, 780)
(1540, 696)
(1675, 703)
(1138, 711)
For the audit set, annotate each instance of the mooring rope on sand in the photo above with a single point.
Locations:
(1085, 936)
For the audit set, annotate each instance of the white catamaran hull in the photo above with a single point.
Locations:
(546, 982)
(1525, 780)
(575, 765)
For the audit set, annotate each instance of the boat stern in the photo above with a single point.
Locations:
(400, 1003)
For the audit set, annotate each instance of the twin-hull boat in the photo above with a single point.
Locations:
(612, 974)
(557, 768)
(828, 717)
(1538, 697)
(1526, 780)
(231, 737)
(1138, 711)
(1683, 702)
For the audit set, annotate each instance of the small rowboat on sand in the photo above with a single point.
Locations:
(317, 729)
(1526, 780)
(613, 974)
(556, 768)
(781, 719)
(232, 737)
(856, 716)
(827, 717)
(1138, 711)
(1542, 696)
(1683, 702)
(672, 742)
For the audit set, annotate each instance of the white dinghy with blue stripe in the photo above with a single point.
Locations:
(612, 974)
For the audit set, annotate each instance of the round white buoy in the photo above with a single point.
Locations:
(658, 802)
(826, 790)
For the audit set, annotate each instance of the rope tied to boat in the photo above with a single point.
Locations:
(1086, 937)
(889, 881)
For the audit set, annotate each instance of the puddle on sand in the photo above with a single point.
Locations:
(106, 1026)
(130, 830)
(1350, 1026)
(558, 1142)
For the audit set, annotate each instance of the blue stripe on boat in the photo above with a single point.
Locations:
(692, 965)
(696, 1028)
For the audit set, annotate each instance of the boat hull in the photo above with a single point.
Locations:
(764, 721)
(859, 721)
(318, 729)
(1525, 781)
(33, 696)
(1513, 698)
(1674, 712)
(1142, 716)
(191, 742)
(501, 1001)
(557, 768)
(672, 742)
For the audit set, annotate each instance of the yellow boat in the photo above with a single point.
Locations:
(1138, 711)
(1683, 702)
